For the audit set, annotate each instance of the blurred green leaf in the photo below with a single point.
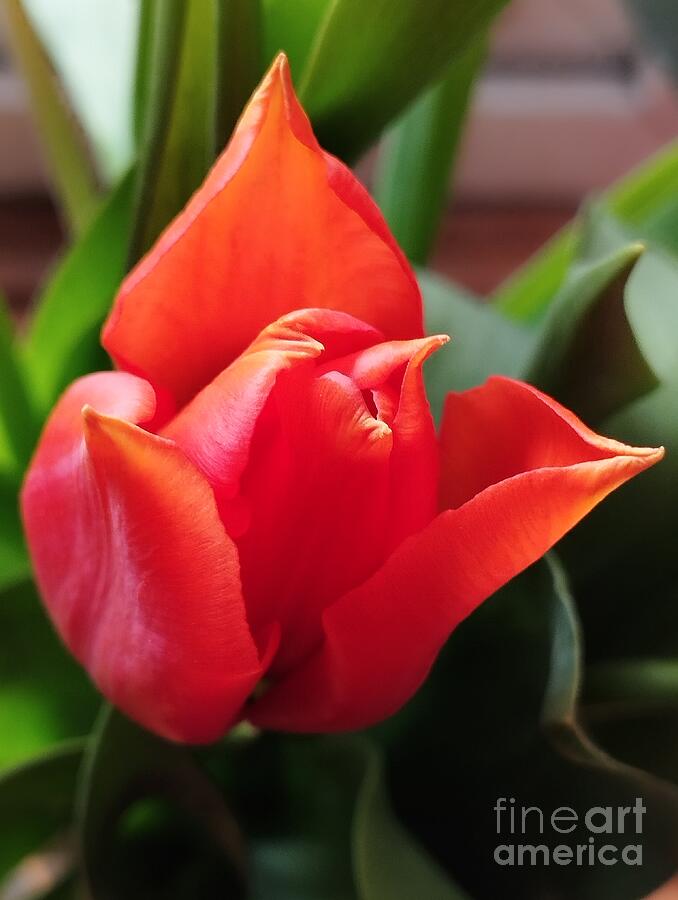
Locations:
(312, 814)
(622, 556)
(318, 823)
(179, 140)
(483, 341)
(652, 307)
(45, 697)
(623, 549)
(239, 62)
(15, 566)
(18, 427)
(91, 47)
(388, 863)
(291, 27)
(369, 61)
(294, 799)
(634, 682)
(632, 709)
(70, 158)
(36, 802)
(151, 823)
(498, 718)
(143, 67)
(645, 201)
(415, 163)
(586, 353)
(63, 340)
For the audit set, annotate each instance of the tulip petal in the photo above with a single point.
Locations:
(278, 225)
(392, 371)
(135, 566)
(534, 471)
(215, 429)
(305, 463)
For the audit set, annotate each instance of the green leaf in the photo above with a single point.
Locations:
(18, 428)
(179, 140)
(45, 697)
(483, 341)
(413, 173)
(239, 61)
(646, 201)
(368, 61)
(622, 556)
(15, 566)
(388, 862)
(312, 813)
(634, 682)
(632, 709)
(63, 340)
(586, 353)
(291, 27)
(91, 48)
(74, 169)
(36, 803)
(318, 823)
(652, 307)
(143, 68)
(498, 718)
(151, 823)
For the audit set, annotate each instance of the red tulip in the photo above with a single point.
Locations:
(258, 520)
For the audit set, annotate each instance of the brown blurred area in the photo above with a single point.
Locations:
(569, 102)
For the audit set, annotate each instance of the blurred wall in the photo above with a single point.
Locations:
(569, 102)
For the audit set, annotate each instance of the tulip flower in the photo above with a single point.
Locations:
(254, 517)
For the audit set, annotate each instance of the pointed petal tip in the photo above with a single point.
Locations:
(645, 457)
(281, 63)
(96, 422)
(427, 346)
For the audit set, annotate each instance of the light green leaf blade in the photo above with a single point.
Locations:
(92, 47)
(413, 173)
(368, 61)
(63, 340)
(70, 158)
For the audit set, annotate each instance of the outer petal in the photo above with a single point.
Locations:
(382, 638)
(134, 564)
(278, 225)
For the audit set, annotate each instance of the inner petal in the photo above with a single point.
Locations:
(318, 484)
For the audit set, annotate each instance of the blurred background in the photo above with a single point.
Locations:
(573, 95)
